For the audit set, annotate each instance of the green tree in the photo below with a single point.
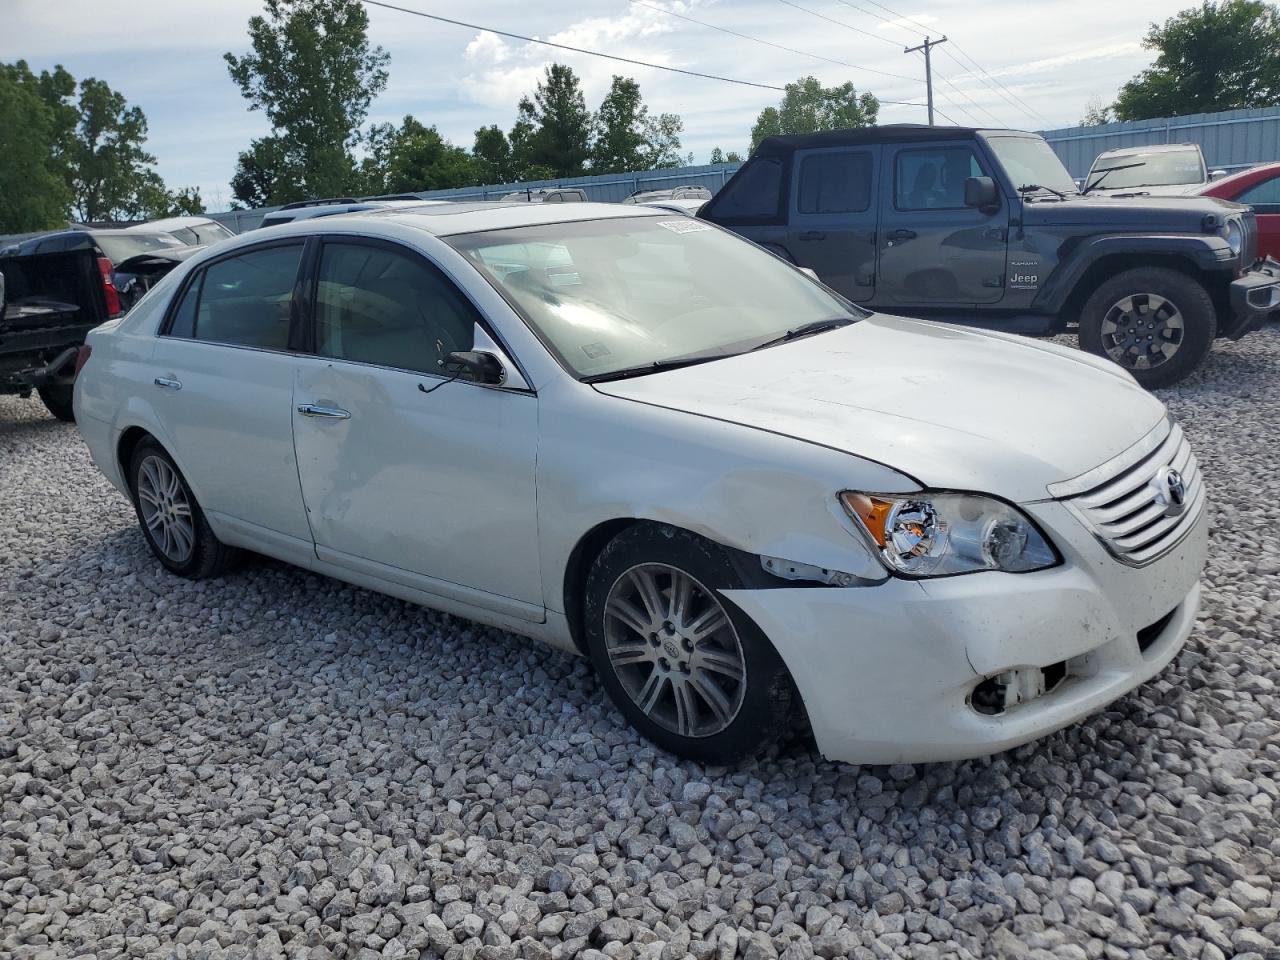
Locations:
(110, 170)
(808, 107)
(33, 191)
(553, 128)
(492, 154)
(313, 73)
(414, 157)
(719, 156)
(620, 129)
(1217, 56)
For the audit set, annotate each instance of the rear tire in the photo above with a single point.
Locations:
(172, 522)
(57, 399)
(1157, 323)
(688, 670)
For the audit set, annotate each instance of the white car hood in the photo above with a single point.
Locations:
(950, 407)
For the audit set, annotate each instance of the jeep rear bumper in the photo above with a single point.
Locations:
(1254, 297)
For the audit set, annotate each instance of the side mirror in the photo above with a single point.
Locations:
(479, 366)
(1217, 175)
(980, 192)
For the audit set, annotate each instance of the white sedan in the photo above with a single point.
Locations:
(639, 438)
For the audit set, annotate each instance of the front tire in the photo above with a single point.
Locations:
(1157, 323)
(57, 399)
(172, 522)
(688, 670)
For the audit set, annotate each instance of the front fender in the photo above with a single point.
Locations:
(604, 458)
(1207, 252)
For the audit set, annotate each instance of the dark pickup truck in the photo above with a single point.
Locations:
(987, 228)
(48, 302)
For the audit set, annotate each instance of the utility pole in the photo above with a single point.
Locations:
(928, 69)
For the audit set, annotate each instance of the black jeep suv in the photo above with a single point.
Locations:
(986, 227)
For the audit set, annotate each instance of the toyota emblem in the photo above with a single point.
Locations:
(1171, 491)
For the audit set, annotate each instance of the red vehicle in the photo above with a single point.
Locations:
(1259, 187)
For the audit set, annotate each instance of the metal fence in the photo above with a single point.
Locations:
(1231, 140)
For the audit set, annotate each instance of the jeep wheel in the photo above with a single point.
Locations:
(1156, 323)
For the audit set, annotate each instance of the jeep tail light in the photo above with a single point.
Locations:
(82, 357)
(109, 288)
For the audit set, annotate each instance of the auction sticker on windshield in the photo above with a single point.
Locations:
(684, 226)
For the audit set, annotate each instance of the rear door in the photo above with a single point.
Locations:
(933, 250)
(222, 386)
(832, 226)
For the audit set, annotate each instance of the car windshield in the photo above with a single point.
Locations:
(1162, 169)
(121, 246)
(211, 232)
(630, 292)
(1029, 160)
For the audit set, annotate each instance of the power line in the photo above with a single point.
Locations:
(879, 16)
(779, 46)
(999, 87)
(973, 121)
(565, 46)
(841, 23)
(963, 96)
(1004, 91)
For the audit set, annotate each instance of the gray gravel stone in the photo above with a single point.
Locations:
(276, 764)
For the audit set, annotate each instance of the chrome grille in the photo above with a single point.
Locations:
(1123, 501)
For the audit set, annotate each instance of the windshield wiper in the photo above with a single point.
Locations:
(656, 366)
(806, 330)
(1102, 174)
(1031, 187)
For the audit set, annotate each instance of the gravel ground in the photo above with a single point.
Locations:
(275, 764)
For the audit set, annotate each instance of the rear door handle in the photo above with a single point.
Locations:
(813, 235)
(902, 235)
(328, 413)
(169, 382)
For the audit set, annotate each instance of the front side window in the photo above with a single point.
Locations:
(753, 193)
(621, 294)
(244, 300)
(933, 179)
(835, 182)
(1262, 194)
(390, 308)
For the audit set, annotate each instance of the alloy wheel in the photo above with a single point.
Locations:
(1142, 331)
(166, 511)
(674, 650)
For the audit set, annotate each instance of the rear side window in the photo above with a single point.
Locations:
(1266, 193)
(390, 308)
(837, 182)
(753, 194)
(933, 178)
(244, 300)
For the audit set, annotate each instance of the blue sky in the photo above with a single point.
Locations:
(166, 57)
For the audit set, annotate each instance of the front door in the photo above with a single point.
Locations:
(832, 226)
(934, 250)
(222, 386)
(406, 474)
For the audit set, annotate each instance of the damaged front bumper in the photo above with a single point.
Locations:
(958, 667)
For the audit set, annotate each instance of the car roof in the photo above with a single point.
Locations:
(1149, 148)
(888, 133)
(170, 223)
(447, 219)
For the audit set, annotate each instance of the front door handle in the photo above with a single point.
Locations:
(813, 235)
(169, 382)
(902, 235)
(328, 413)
